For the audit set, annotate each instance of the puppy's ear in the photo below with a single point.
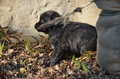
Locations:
(57, 21)
(49, 24)
(65, 22)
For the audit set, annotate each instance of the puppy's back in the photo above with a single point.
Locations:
(81, 36)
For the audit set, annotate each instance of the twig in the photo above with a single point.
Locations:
(73, 77)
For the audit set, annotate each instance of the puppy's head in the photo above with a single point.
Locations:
(45, 18)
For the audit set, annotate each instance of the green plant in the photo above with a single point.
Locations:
(78, 64)
(73, 58)
(84, 67)
(4, 38)
(24, 62)
(81, 65)
(27, 43)
(36, 51)
(22, 70)
(85, 55)
(1, 48)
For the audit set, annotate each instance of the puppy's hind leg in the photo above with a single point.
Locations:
(82, 50)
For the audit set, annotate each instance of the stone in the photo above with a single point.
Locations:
(57, 3)
(25, 13)
(7, 1)
(4, 8)
(5, 20)
(86, 15)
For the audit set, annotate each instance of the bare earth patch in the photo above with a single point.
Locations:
(16, 62)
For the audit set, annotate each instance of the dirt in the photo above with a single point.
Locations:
(19, 62)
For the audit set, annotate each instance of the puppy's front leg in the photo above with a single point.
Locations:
(56, 56)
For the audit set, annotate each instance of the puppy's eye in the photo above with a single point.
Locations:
(42, 21)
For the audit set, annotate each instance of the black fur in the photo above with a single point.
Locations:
(74, 37)
(46, 17)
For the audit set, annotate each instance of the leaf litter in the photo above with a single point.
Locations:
(20, 59)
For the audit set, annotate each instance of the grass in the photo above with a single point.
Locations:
(27, 43)
(79, 63)
(1, 49)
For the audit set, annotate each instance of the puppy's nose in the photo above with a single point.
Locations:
(37, 25)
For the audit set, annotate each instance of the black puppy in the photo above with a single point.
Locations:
(73, 37)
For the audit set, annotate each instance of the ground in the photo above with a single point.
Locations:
(21, 59)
